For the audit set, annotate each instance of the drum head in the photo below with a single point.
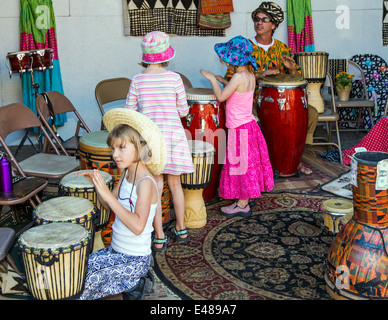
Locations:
(200, 94)
(337, 205)
(95, 139)
(284, 80)
(72, 181)
(64, 208)
(198, 146)
(54, 235)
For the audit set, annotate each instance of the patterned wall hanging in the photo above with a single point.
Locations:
(385, 23)
(177, 17)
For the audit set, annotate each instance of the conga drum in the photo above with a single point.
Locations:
(67, 209)
(80, 186)
(55, 258)
(193, 183)
(206, 122)
(357, 262)
(283, 113)
(314, 68)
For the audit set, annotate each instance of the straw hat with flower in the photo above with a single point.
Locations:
(147, 129)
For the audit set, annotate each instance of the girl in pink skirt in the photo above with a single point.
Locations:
(247, 170)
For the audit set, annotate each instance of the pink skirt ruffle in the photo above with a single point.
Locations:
(247, 170)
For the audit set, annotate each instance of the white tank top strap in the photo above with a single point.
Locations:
(153, 180)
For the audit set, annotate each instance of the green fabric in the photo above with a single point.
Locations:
(40, 12)
(297, 10)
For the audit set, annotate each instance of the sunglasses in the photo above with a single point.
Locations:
(264, 20)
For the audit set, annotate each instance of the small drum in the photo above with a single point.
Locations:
(19, 62)
(67, 209)
(55, 258)
(283, 113)
(333, 211)
(37, 60)
(206, 121)
(95, 153)
(193, 183)
(314, 68)
(80, 186)
(42, 59)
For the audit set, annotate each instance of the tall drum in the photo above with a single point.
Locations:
(194, 183)
(283, 113)
(55, 258)
(314, 68)
(206, 122)
(357, 262)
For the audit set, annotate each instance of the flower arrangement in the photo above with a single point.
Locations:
(343, 79)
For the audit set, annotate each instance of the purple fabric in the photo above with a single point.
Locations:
(247, 177)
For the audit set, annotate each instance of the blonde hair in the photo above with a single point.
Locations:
(123, 134)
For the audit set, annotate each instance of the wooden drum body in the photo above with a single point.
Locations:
(95, 154)
(283, 113)
(193, 183)
(333, 211)
(314, 68)
(32, 60)
(357, 262)
(206, 122)
(55, 257)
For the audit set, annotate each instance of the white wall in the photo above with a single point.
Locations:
(92, 45)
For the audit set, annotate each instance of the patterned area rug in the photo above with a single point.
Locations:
(276, 254)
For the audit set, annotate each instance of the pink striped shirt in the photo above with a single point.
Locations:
(162, 98)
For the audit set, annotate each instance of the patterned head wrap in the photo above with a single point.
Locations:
(272, 10)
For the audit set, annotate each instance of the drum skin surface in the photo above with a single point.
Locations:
(283, 114)
(207, 123)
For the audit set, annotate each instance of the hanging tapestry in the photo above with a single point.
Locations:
(177, 17)
(385, 23)
(300, 26)
(37, 31)
(214, 14)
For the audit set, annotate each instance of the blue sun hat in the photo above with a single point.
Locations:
(237, 51)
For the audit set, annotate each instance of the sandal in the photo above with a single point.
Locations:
(164, 241)
(177, 235)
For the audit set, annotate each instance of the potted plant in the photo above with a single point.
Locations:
(343, 85)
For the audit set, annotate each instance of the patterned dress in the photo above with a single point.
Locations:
(162, 98)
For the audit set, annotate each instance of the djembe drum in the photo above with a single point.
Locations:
(194, 183)
(80, 186)
(357, 262)
(314, 68)
(55, 258)
(206, 121)
(333, 211)
(283, 113)
(67, 209)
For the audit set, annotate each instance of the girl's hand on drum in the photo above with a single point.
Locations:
(262, 74)
(101, 186)
(87, 174)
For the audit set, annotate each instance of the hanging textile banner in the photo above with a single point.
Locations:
(37, 31)
(177, 17)
(385, 23)
(300, 26)
(214, 14)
